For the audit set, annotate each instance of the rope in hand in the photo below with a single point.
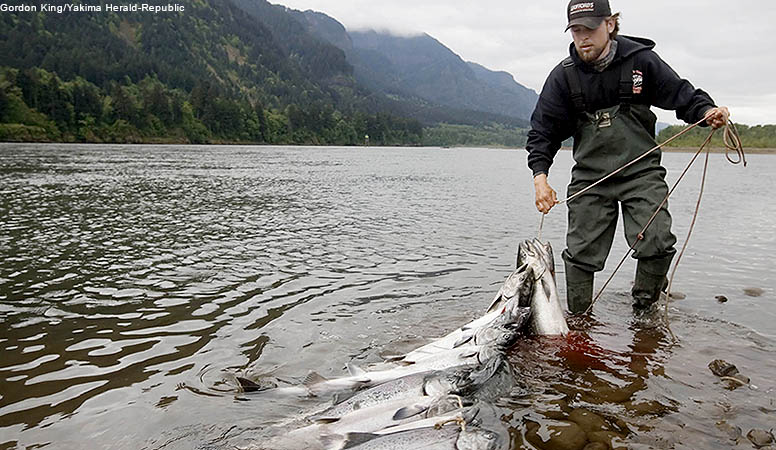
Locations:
(732, 142)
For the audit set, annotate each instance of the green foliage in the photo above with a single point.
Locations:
(445, 135)
(16, 132)
(149, 111)
(759, 136)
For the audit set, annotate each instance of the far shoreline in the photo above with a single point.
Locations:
(747, 150)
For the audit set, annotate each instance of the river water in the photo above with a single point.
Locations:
(136, 281)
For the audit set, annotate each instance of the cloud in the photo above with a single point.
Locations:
(721, 46)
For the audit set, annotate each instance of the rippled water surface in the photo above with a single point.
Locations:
(136, 281)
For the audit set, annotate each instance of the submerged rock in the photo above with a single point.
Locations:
(733, 432)
(647, 408)
(760, 438)
(754, 292)
(728, 373)
(722, 368)
(721, 298)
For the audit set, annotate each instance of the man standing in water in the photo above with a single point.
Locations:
(601, 95)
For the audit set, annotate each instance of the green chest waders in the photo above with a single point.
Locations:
(606, 140)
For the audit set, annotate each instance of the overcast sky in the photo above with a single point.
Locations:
(724, 47)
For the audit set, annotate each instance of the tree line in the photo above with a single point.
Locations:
(758, 136)
(37, 105)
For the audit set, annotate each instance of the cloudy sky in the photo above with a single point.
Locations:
(724, 47)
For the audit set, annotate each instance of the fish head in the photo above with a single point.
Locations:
(487, 352)
(473, 438)
(488, 369)
(485, 430)
(525, 253)
(443, 382)
(544, 251)
(502, 336)
(516, 316)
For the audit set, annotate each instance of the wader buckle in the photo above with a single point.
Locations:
(604, 119)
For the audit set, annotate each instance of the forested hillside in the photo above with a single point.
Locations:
(210, 74)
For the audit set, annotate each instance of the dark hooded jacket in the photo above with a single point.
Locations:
(555, 118)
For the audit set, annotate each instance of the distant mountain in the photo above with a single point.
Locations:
(504, 82)
(420, 67)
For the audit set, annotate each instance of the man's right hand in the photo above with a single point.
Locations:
(546, 197)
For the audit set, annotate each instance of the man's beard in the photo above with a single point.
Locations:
(591, 56)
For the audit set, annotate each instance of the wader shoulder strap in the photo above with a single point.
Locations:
(626, 81)
(575, 88)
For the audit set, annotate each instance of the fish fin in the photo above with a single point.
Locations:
(247, 385)
(325, 420)
(394, 358)
(409, 411)
(356, 439)
(313, 378)
(356, 371)
(463, 340)
(495, 301)
(469, 354)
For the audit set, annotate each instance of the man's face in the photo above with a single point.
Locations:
(591, 43)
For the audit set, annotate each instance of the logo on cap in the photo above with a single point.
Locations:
(582, 7)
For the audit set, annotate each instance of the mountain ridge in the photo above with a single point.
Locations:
(419, 65)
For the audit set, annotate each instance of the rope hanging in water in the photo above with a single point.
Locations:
(732, 142)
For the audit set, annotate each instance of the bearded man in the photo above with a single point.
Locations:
(601, 95)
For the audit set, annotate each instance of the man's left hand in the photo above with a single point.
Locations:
(717, 117)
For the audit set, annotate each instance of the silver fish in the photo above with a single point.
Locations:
(317, 385)
(508, 310)
(547, 313)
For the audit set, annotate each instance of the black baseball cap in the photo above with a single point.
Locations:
(588, 13)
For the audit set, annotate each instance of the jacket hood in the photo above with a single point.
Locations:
(626, 46)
